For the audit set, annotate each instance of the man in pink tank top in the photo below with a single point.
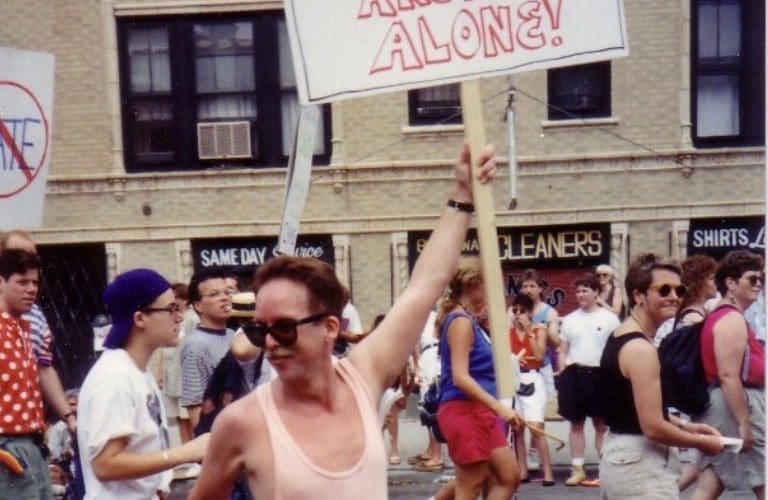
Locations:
(313, 432)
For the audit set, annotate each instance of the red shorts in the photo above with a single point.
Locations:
(471, 430)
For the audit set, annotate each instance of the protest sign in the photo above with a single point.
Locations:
(349, 48)
(26, 105)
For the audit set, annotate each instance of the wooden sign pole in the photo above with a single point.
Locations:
(474, 126)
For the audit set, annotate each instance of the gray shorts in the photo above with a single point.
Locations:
(737, 470)
(633, 466)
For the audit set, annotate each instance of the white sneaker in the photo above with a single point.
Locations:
(533, 459)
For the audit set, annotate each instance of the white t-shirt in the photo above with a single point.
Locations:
(350, 313)
(118, 399)
(586, 334)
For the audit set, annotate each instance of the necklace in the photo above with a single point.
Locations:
(639, 323)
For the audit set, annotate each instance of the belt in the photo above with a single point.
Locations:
(529, 370)
(38, 439)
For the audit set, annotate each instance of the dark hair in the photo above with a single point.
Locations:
(16, 261)
(696, 270)
(589, 280)
(640, 273)
(734, 265)
(180, 291)
(199, 277)
(326, 294)
(523, 301)
(533, 275)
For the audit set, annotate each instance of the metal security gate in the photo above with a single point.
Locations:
(73, 278)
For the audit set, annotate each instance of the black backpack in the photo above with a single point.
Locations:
(683, 384)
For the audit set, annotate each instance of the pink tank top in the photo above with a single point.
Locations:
(753, 365)
(296, 476)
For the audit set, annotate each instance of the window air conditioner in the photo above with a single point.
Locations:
(222, 140)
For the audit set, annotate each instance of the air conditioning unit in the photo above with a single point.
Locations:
(223, 140)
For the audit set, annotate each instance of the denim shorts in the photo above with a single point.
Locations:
(32, 484)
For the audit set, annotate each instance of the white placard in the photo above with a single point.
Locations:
(350, 48)
(297, 177)
(26, 106)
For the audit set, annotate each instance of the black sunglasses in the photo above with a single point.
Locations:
(516, 311)
(284, 331)
(665, 289)
(755, 278)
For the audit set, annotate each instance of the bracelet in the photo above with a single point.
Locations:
(165, 455)
(461, 207)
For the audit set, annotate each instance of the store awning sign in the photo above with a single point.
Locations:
(351, 48)
(26, 105)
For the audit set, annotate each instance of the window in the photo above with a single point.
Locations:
(728, 72)
(435, 105)
(582, 91)
(203, 92)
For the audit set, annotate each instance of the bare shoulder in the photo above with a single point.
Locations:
(244, 414)
(730, 323)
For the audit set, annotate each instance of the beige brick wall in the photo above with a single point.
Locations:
(389, 177)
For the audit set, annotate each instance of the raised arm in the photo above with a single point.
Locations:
(381, 356)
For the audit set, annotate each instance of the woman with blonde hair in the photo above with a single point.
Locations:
(610, 291)
(470, 416)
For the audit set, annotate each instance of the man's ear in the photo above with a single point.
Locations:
(194, 307)
(332, 327)
(139, 319)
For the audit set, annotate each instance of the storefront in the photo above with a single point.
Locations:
(559, 253)
(718, 236)
(241, 256)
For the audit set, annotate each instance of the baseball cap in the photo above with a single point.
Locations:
(130, 292)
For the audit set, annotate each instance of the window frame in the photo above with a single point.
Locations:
(438, 116)
(749, 71)
(558, 111)
(267, 150)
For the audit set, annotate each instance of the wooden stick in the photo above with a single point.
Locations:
(471, 109)
(533, 428)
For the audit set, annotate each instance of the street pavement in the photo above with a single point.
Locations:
(405, 483)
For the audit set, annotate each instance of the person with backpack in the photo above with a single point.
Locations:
(636, 456)
(699, 276)
(734, 366)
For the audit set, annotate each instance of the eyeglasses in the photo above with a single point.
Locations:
(517, 311)
(284, 331)
(172, 309)
(755, 278)
(666, 288)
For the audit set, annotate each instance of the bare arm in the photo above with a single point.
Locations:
(730, 334)
(53, 393)
(113, 463)
(639, 362)
(461, 339)
(381, 356)
(553, 328)
(222, 461)
(616, 304)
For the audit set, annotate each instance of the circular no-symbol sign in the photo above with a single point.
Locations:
(24, 138)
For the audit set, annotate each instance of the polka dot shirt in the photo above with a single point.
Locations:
(21, 407)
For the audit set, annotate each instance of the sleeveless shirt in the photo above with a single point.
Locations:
(296, 476)
(619, 412)
(753, 364)
(480, 361)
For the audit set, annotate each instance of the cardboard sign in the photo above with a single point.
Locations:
(350, 48)
(26, 105)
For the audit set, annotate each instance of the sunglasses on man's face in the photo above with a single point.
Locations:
(667, 288)
(518, 311)
(283, 331)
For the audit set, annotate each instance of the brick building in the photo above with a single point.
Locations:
(637, 154)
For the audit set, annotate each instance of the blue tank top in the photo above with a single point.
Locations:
(541, 318)
(480, 361)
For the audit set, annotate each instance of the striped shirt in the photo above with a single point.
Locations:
(40, 336)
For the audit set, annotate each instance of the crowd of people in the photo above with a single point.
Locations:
(278, 393)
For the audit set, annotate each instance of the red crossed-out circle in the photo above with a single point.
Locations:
(7, 138)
